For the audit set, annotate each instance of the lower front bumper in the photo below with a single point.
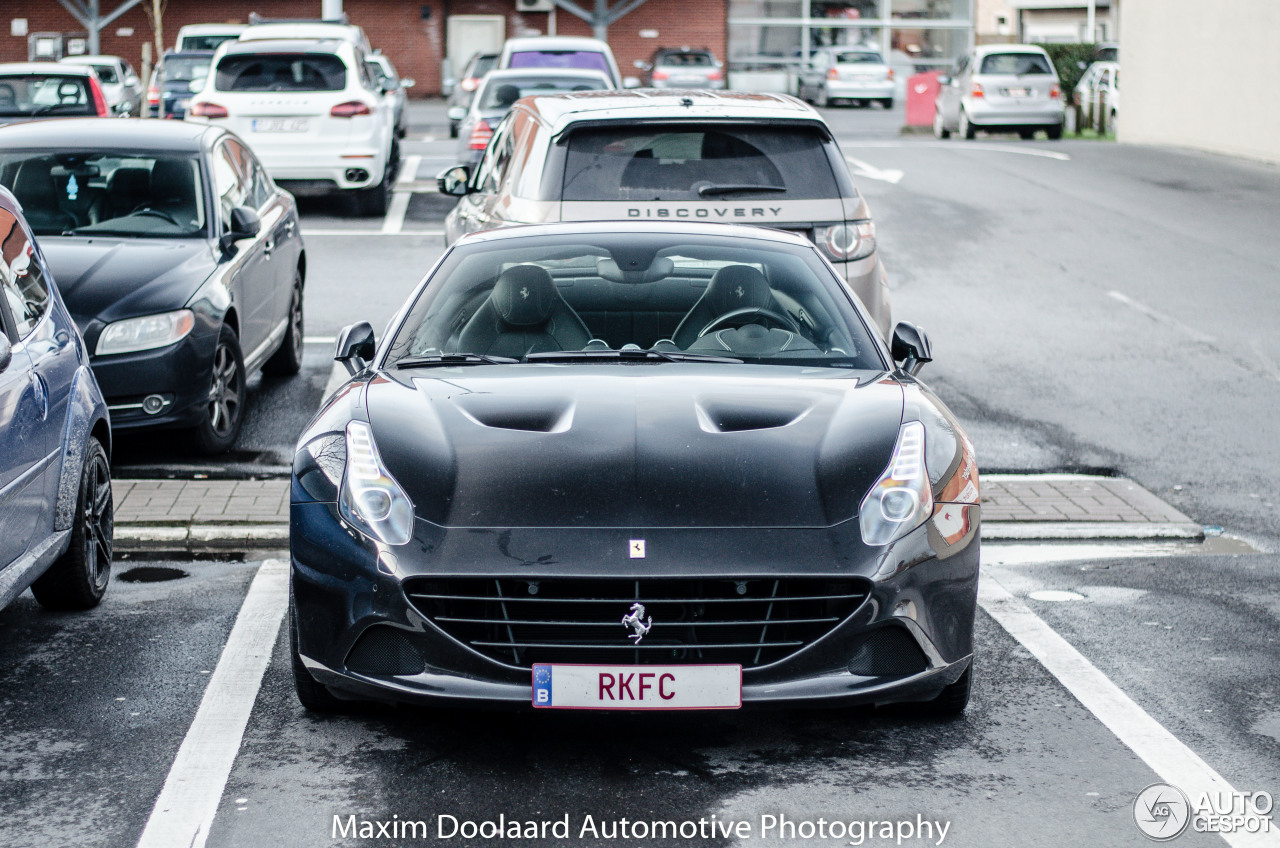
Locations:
(180, 374)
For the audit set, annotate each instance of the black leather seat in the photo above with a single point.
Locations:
(523, 314)
(173, 189)
(36, 190)
(127, 190)
(733, 287)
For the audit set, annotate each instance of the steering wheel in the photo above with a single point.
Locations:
(157, 213)
(747, 315)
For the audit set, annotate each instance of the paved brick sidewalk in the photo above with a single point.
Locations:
(1068, 497)
(175, 502)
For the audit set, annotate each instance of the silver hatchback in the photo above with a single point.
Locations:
(1000, 88)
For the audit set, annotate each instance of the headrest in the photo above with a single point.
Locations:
(33, 185)
(738, 287)
(171, 181)
(136, 181)
(506, 95)
(524, 295)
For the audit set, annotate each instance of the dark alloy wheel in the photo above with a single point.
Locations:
(78, 579)
(287, 361)
(224, 410)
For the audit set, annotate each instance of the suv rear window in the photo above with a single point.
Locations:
(686, 163)
(1016, 64)
(281, 72)
(588, 60)
(859, 58)
(685, 60)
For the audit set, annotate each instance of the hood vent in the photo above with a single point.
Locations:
(530, 414)
(734, 415)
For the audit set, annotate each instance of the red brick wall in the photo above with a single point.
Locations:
(414, 45)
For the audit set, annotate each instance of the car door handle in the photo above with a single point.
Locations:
(268, 246)
(290, 226)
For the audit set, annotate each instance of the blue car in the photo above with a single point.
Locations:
(55, 437)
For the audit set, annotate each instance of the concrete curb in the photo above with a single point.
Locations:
(1027, 531)
(200, 538)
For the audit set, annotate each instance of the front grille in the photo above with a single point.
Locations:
(522, 621)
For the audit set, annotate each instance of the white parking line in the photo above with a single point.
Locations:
(184, 811)
(1189, 332)
(962, 145)
(394, 222)
(319, 340)
(871, 172)
(355, 232)
(1173, 761)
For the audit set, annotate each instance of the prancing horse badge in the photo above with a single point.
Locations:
(637, 548)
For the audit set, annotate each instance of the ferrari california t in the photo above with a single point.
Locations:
(626, 465)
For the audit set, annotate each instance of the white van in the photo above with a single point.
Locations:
(207, 36)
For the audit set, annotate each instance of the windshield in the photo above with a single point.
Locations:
(281, 72)
(681, 163)
(45, 94)
(77, 192)
(588, 60)
(1016, 64)
(608, 296)
(501, 94)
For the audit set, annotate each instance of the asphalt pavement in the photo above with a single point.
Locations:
(1094, 308)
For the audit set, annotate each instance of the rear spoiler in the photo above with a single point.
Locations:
(809, 123)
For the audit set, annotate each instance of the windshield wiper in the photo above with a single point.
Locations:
(708, 190)
(454, 359)
(632, 355)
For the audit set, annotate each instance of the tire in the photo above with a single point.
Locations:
(967, 130)
(951, 702)
(887, 102)
(453, 129)
(287, 361)
(1054, 132)
(315, 697)
(822, 101)
(939, 125)
(224, 411)
(1026, 135)
(373, 202)
(78, 578)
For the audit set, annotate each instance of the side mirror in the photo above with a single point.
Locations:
(642, 66)
(910, 347)
(6, 352)
(245, 223)
(355, 346)
(408, 82)
(630, 82)
(456, 113)
(455, 181)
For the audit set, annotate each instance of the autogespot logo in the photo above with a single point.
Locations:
(1161, 812)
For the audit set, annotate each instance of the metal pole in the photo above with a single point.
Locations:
(1090, 26)
(94, 48)
(600, 25)
(886, 34)
(330, 9)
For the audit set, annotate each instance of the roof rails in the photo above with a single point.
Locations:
(255, 18)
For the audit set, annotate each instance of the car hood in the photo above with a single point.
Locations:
(635, 446)
(113, 278)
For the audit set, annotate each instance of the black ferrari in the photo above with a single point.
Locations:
(180, 260)
(634, 466)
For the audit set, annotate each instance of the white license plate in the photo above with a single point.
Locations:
(637, 687)
(1017, 92)
(279, 125)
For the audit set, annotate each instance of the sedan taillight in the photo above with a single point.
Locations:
(1055, 93)
(99, 99)
(976, 91)
(833, 74)
(889, 75)
(208, 110)
(153, 96)
(350, 109)
(480, 135)
(660, 74)
(717, 74)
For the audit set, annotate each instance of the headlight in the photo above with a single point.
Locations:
(845, 242)
(145, 333)
(902, 498)
(371, 499)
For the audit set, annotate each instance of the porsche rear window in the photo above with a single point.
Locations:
(1016, 64)
(697, 163)
(281, 72)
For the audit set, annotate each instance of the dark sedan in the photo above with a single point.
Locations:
(631, 465)
(174, 80)
(178, 257)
